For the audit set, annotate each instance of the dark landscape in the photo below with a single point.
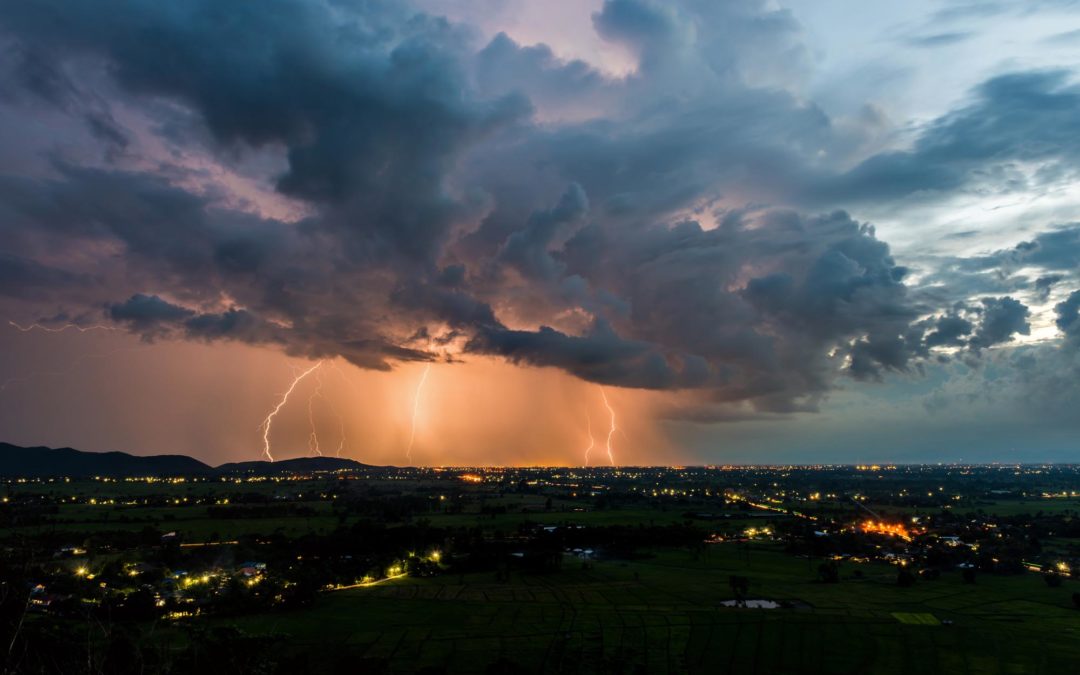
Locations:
(311, 567)
(517, 337)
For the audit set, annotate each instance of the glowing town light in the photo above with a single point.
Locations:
(592, 440)
(415, 411)
(266, 423)
(612, 430)
(881, 527)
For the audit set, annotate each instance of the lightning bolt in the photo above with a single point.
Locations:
(416, 410)
(592, 440)
(341, 420)
(341, 427)
(313, 439)
(74, 363)
(266, 423)
(612, 430)
(60, 329)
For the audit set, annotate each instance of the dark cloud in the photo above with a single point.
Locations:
(495, 199)
(949, 330)
(20, 276)
(154, 317)
(232, 324)
(651, 28)
(148, 313)
(38, 77)
(1043, 285)
(1056, 250)
(371, 107)
(1034, 266)
(1068, 316)
(600, 356)
(1002, 318)
(1018, 117)
(526, 250)
(1030, 269)
(560, 88)
(817, 284)
(751, 39)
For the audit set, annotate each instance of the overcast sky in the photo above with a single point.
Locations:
(504, 231)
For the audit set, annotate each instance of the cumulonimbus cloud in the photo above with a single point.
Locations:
(675, 228)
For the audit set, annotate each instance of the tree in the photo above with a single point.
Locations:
(122, 654)
(740, 586)
(828, 572)
(904, 577)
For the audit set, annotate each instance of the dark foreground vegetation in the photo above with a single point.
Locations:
(944, 569)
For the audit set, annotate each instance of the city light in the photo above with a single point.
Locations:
(881, 527)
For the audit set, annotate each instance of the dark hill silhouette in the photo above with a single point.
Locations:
(42, 462)
(296, 465)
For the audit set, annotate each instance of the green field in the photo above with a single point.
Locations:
(661, 614)
(1005, 507)
(192, 522)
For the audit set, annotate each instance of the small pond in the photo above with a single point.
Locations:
(752, 603)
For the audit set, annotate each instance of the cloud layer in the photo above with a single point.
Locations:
(369, 181)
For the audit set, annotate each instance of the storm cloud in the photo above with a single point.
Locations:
(421, 193)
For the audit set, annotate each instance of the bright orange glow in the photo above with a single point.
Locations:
(471, 478)
(881, 527)
(477, 411)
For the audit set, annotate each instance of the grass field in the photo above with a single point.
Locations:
(192, 522)
(657, 614)
(1009, 507)
(510, 520)
(661, 614)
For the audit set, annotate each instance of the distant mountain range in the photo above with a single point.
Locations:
(42, 462)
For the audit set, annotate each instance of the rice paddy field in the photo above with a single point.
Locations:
(662, 614)
(662, 611)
